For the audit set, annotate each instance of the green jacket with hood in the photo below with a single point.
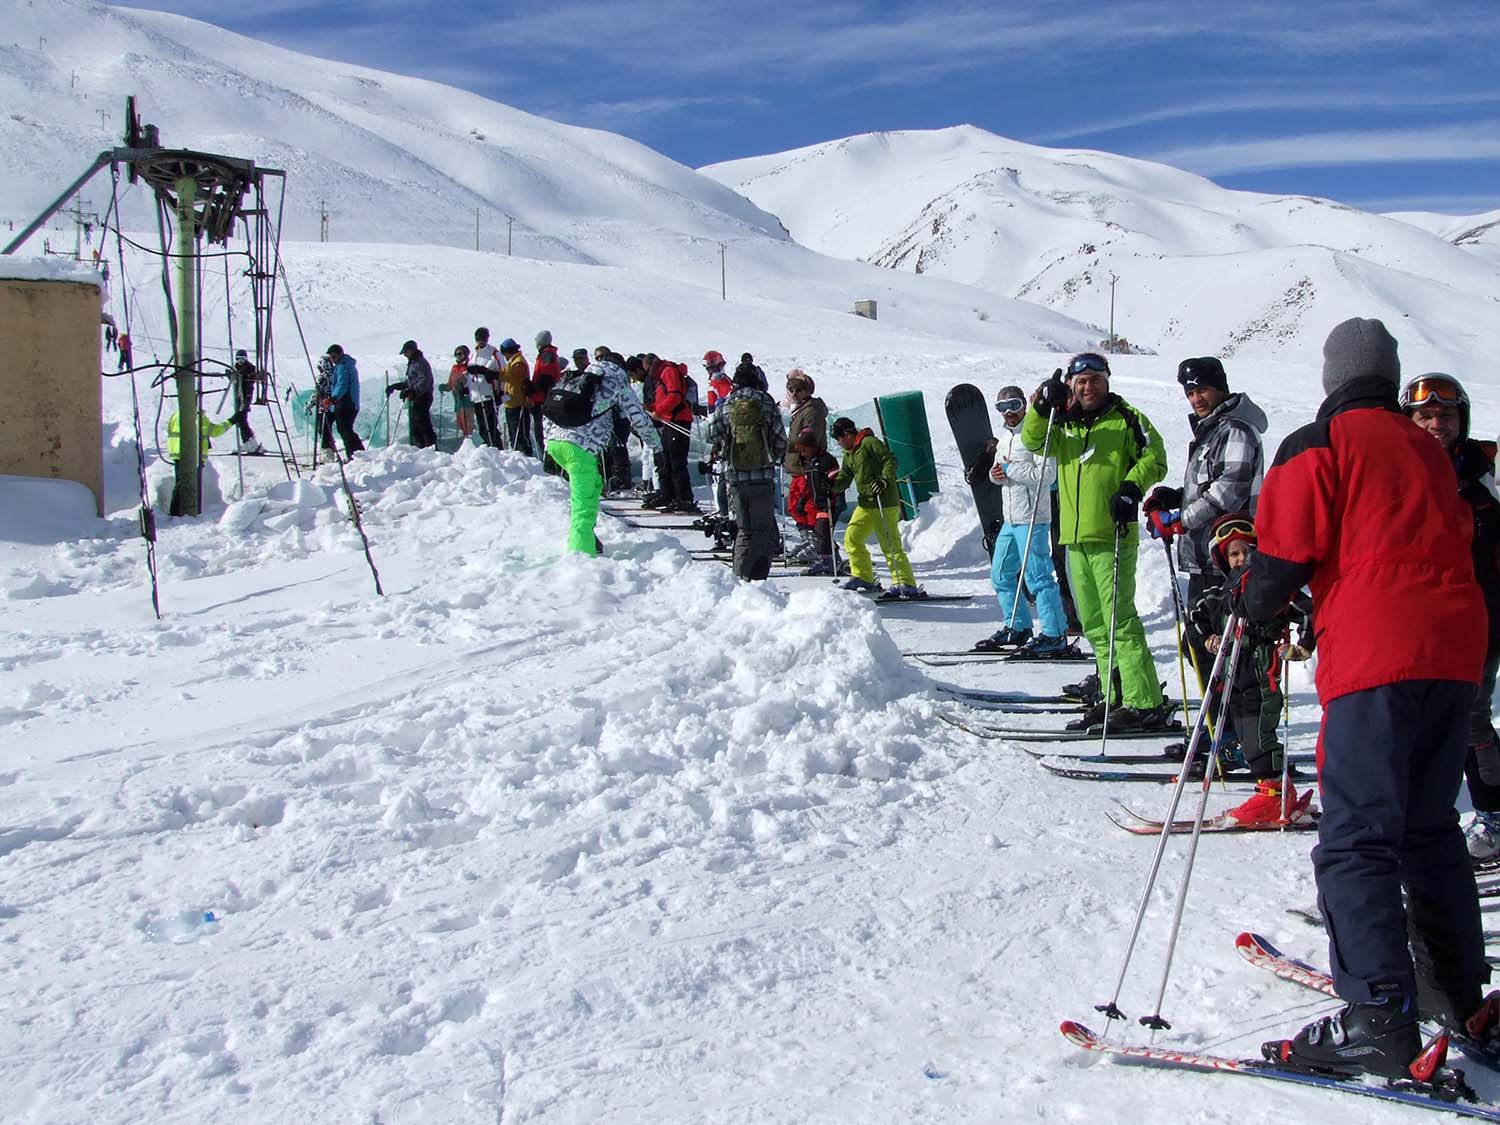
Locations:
(1096, 453)
(872, 468)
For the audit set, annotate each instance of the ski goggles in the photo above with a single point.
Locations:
(1432, 392)
(1226, 530)
(1088, 361)
(1010, 405)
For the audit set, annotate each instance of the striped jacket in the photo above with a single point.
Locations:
(1224, 470)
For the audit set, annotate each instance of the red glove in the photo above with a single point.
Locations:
(1164, 524)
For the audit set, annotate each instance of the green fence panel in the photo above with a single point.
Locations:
(903, 420)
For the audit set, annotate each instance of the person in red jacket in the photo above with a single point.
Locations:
(545, 373)
(1362, 507)
(671, 408)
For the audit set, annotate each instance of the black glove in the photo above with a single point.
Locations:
(1123, 504)
(237, 417)
(1163, 499)
(394, 387)
(705, 467)
(1239, 579)
(1052, 396)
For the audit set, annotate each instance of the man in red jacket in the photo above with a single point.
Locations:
(1362, 506)
(672, 409)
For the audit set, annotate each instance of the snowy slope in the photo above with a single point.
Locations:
(400, 160)
(1478, 234)
(1201, 269)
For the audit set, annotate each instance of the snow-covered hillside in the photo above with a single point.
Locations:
(1478, 234)
(1200, 268)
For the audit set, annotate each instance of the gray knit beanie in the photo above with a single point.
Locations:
(543, 339)
(1356, 348)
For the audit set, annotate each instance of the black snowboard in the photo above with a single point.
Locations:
(969, 416)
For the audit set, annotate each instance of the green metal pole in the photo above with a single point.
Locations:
(189, 457)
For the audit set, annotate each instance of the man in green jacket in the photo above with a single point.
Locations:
(1108, 455)
(872, 469)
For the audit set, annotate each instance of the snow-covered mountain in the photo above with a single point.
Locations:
(1200, 268)
(1478, 234)
(402, 160)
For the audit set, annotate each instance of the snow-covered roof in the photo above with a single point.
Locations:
(48, 269)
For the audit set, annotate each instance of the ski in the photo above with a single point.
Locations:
(981, 696)
(1154, 777)
(1065, 707)
(1263, 955)
(922, 599)
(983, 730)
(1424, 1095)
(1145, 758)
(1301, 819)
(960, 660)
(1070, 655)
(657, 526)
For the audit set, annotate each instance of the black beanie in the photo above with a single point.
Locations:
(1205, 371)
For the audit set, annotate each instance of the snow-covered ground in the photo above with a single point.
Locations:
(533, 837)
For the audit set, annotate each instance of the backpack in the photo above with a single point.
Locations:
(570, 403)
(690, 392)
(750, 446)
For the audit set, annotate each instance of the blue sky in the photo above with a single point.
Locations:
(1384, 104)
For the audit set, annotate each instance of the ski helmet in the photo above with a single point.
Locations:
(543, 339)
(712, 359)
(1438, 389)
(1224, 531)
(242, 354)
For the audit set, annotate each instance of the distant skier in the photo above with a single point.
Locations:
(720, 385)
(1108, 454)
(1439, 404)
(1022, 542)
(747, 431)
(673, 409)
(343, 396)
(515, 379)
(871, 468)
(1360, 506)
(458, 386)
(545, 373)
(245, 381)
(416, 390)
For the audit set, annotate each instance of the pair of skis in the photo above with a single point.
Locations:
(1444, 1090)
(958, 657)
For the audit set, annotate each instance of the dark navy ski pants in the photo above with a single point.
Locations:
(1390, 762)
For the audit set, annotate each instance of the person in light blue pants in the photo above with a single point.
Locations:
(1027, 484)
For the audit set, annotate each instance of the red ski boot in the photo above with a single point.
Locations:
(1271, 806)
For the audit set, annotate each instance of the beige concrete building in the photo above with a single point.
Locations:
(51, 424)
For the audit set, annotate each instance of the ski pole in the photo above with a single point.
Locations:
(1155, 1020)
(1107, 685)
(1286, 738)
(1180, 613)
(1036, 502)
(1111, 1009)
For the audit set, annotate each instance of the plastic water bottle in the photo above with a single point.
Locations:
(185, 927)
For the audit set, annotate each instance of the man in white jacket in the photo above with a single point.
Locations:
(1026, 484)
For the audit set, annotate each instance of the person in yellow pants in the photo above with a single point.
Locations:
(578, 423)
(871, 467)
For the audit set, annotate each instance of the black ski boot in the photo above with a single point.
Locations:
(1085, 690)
(1091, 718)
(1381, 1039)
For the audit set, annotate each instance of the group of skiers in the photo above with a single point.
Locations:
(1372, 515)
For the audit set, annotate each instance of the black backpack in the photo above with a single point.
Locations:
(570, 403)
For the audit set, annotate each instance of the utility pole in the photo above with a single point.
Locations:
(322, 222)
(476, 228)
(79, 223)
(1113, 277)
(723, 277)
(190, 449)
(509, 223)
(103, 119)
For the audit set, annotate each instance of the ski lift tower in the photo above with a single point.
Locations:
(207, 195)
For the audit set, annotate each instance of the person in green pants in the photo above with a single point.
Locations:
(1108, 455)
(871, 467)
(576, 448)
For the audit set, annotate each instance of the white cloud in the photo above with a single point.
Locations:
(1466, 143)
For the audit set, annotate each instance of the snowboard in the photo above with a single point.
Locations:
(969, 417)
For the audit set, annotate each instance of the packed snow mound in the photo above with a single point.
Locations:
(393, 158)
(1200, 269)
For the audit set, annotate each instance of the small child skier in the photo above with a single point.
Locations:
(813, 505)
(1256, 701)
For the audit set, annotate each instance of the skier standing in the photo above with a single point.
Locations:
(545, 373)
(871, 467)
(1108, 454)
(416, 390)
(1439, 404)
(1225, 465)
(1360, 505)
(343, 393)
(458, 387)
(674, 412)
(515, 378)
(246, 380)
(747, 431)
(1026, 486)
